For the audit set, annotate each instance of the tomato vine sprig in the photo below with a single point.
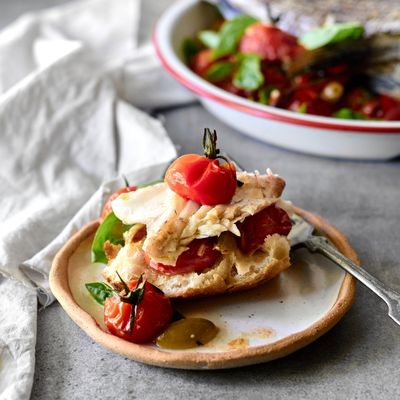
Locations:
(133, 297)
(138, 313)
(210, 148)
(100, 291)
(210, 145)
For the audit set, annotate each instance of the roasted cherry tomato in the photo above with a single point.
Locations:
(202, 61)
(269, 42)
(199, 256)
(390, 108)
(274, 75)
(382, 107)
(356, 98)
(254, 229)
(203, 179)
(308, 100)
(107, 207)
(393, 114)
(388, 102)
(152, 314)
(372, 108)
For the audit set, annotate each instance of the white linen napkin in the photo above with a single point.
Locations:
(67, 133)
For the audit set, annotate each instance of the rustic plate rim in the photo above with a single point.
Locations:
(59, 285)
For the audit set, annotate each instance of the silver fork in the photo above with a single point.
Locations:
(301, 235)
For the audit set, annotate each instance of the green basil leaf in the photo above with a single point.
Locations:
(210, 39)
(303, 108)
(99, 291)
(219, 71)
(331, 34)
(347, 113)
(230, 34)
(111, 229)
(189, 49)
(264, 94)
(248, 76)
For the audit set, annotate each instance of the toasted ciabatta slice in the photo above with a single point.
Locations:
(234, 270)
(172, 223)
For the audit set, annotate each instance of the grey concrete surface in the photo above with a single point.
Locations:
(358, 359)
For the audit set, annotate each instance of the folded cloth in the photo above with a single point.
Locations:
(68, 132)
(142, 71)
(75, 135)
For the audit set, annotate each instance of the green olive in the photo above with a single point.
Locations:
(187, 333)
(332, 92)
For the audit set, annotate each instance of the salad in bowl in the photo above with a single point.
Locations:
(333, 93)
(329, 71)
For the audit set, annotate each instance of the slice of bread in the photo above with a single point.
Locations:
(234, 271)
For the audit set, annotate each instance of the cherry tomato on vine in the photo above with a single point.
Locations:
(199, 256)
(254, 229)
(203, 179)
(107, 207)
(152, 313)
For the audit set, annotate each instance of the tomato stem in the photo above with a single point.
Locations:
(210, 144)
(273, 19)
(125, 180)
(132, 297)
(126, 288)
(210, 148)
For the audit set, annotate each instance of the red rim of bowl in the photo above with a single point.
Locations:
(202, 91)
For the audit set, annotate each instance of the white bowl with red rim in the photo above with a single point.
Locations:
(324, 136)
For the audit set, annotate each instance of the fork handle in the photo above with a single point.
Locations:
(319, 244)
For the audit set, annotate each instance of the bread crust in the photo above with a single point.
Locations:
(224, 277)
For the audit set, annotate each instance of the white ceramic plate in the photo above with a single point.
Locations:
(259, 325)
(312, 134)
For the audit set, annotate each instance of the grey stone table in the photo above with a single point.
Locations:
(358, 359)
